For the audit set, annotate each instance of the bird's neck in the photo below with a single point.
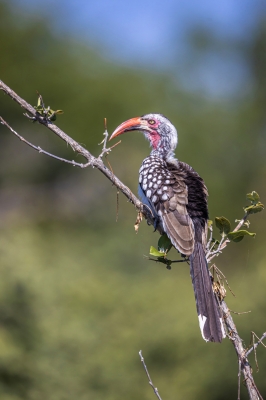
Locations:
(164, 148)
(163, 154)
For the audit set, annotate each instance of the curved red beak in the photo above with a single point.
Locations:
(133, 124)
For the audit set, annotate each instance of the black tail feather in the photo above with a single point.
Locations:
(210, 319)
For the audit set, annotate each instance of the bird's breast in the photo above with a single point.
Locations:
(154, 179)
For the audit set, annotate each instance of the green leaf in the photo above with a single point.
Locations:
(39, 102)
(239, 235)
(253, 197)
(210, 222)
(156, 253)
(223, 224)
(52, 114)
(254, 208)
(39, 107)
(164, 244)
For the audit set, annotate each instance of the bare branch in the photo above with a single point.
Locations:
(91, 160)
(148, 375)
(246, 369)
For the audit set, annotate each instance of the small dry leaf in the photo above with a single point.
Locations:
(219, 290)
(138, 221)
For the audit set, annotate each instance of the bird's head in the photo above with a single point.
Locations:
(159, 131)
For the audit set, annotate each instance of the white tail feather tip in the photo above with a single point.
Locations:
(202, 320)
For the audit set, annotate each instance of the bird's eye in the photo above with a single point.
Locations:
(151, 121)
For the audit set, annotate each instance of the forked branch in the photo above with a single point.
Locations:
(94, 162)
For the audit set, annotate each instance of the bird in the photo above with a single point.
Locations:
(176, 196)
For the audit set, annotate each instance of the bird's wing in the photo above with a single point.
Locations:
(172, 208)
(165, 188)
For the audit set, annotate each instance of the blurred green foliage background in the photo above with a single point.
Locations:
(78, 300)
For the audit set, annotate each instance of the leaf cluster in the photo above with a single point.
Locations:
(47, 113)
(236, 235)
(225, 229)
(164, 246)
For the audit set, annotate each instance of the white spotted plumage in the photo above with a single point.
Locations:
(155, 179)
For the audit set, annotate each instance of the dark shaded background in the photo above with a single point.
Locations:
(78, 300)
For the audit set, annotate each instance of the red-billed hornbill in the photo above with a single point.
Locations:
(177, 198)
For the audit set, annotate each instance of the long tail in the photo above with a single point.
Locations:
(210, 320)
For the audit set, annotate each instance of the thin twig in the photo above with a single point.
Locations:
(211, 254)
(239, 313)
(255, 350)
(210, 251)
(172, 261)
(256, 344)
(241, 222)
(210, 238)
(148, 375)
(105, 150)
(40, 150)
